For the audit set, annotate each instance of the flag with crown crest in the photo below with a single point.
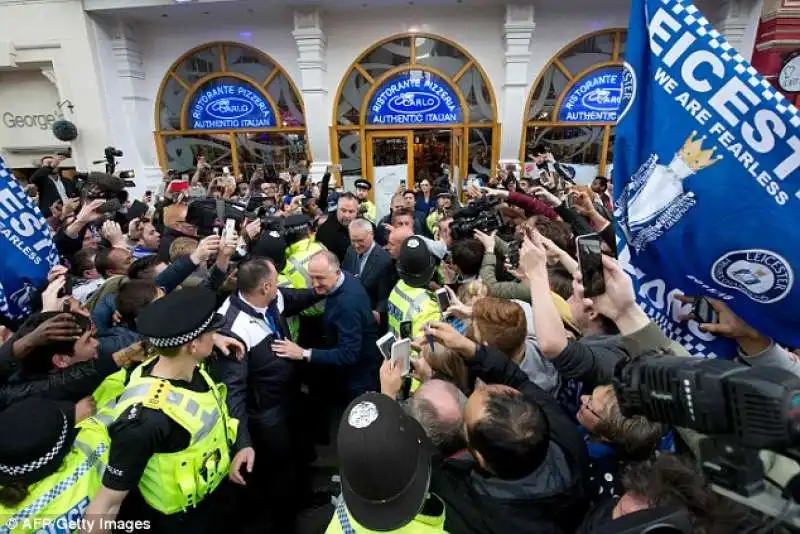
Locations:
(705, 178)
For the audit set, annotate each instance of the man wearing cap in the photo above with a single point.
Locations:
(46, 447)
(385, 468)
(171, 432)
(366, 208)
(411, 300)
(301, 246)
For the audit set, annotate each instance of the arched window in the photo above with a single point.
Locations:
(234, 105)
(456, 129)
(572, 106)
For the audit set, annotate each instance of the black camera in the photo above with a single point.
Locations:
(759, 406)
(480, 215)
(209, 213)
(741, 409)
(111, 152)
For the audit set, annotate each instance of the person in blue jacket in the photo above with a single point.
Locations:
(350, 329)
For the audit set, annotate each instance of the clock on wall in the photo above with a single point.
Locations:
(789, 76)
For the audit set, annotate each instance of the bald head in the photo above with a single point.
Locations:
(396, 238)
(438, 406)
(119, 260)
(324, 271)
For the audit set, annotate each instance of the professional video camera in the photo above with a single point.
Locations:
(99, 185)
(742, 409)
(110, 154)
(479, 215)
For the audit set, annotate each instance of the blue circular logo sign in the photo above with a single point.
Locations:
(226, 103)
(762, 275)
(229, 108)
(414, 97)
(414, 102)
(602, 95)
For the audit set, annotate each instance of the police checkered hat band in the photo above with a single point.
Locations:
(30, 467)
(177, 341)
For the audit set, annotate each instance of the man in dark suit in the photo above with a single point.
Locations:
(371, 264)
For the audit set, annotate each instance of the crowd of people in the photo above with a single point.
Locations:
(204, 352)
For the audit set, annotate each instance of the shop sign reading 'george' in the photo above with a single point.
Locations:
(414, 97)
(597, 97)
(230, 105)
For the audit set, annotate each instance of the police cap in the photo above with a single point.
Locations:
(415, 263)
(180, 317)
(363, 184)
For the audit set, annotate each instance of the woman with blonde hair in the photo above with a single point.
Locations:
(446, 365)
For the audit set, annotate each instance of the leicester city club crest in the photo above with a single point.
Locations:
(657, 196)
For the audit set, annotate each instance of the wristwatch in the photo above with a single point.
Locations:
(307, 355)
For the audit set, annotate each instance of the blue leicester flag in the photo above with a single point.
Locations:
(706, 180)
(27, 252)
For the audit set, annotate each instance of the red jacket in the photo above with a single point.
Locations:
(532, 206)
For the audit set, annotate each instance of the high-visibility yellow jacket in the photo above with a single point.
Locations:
(58, 502)
(413, 304)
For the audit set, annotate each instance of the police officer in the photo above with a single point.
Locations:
(171, 432)
(301, 245)
(367, 209)
(444, 204)
(385, 467)
(411, 300)
(42, 449)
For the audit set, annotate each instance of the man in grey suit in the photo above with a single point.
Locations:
(368, 262)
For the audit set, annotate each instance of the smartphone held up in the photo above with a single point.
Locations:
(385, 344)
(443, 299)
(590, 260)
(401, 355)
(703, 312)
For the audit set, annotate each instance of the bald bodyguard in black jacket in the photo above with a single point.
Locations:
(264, 394)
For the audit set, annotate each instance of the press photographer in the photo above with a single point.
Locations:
(51, 185)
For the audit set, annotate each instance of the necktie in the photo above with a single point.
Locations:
(273, 324)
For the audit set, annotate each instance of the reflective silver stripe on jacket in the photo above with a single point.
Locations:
(130, 391)
(175, 398)
(415, 304)
(300, 267)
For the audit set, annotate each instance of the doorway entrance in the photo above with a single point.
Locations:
(396, 157)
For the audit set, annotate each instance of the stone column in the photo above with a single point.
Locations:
(132, 108)
(517, 34)
(738, 22)
(310, 39)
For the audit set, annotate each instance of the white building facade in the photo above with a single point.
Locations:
(388, 89)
